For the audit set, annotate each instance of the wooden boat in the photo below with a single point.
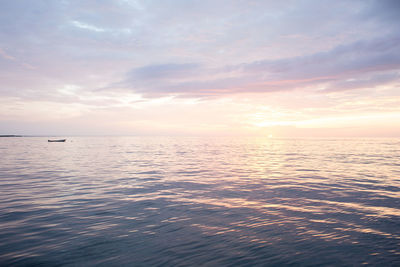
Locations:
(56, 140)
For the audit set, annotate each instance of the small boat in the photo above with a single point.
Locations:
(56, 140)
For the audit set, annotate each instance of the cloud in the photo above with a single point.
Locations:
(358, 56)
(6, 56)
(332, 69)
(363, 82)
(206, 48)
(87, 26)
(164, 71)
(384, 10)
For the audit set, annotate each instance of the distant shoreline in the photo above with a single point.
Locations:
(10, 135)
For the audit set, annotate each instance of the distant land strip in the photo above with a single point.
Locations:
(10, 135)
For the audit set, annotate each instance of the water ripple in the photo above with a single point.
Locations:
(199, 201)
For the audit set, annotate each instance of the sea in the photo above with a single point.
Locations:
(199, 201)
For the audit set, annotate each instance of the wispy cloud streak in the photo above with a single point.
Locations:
(331, 69)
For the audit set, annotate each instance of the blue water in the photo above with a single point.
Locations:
(144, 201)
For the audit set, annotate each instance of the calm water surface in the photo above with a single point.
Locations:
(199, 201)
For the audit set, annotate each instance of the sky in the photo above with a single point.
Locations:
(200, 68)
